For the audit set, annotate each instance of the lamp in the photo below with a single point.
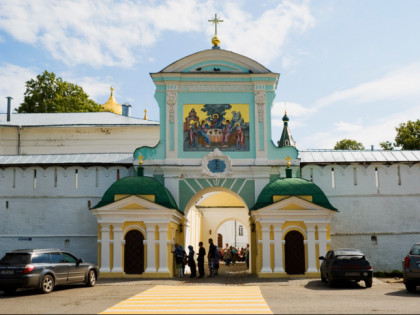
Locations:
(180, 227)
(252, 227)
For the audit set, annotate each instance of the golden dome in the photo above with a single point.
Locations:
(112, 105)
(215, 41)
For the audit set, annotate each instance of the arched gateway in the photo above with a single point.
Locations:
(215, 162)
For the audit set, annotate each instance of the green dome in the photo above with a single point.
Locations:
(139, 185)
(292, 187)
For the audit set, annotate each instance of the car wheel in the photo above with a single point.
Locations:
(91, 278)
(411, 287)
(331, 282)
(47, 284)
(323, 279)
(368, 283)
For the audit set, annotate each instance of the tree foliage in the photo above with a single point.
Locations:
(386, 145)
(50, 94)
(348, 144)
(408, 135)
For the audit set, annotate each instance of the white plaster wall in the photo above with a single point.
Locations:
(390, 212)
(64, 140)
(213, 218)
(49, 215)
(227, 229)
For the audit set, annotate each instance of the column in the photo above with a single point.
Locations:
(310, 231)
(278, 248)
(266, 248)
(163, 248)
(117, 248)
(105, 248)
(322, 236)
(150, 234)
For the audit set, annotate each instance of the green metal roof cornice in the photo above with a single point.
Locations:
(139, 185)
(292, 187)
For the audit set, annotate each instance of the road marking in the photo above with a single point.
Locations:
(194, 300)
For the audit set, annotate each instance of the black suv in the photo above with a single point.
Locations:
(44, 269)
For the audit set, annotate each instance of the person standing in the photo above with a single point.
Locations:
(200, 259)
(216, 261)
(179, 259)
(191, 262)
(247, 255)
(210, 256)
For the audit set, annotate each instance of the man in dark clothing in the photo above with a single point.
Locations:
(210, 256)
(200, 259)
(191, 262)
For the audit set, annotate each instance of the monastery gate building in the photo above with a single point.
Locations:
(214, 162)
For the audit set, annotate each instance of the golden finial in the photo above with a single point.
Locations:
(145, 114)
(140, 158)
(288, 161)
(112, 90)
(215, 40)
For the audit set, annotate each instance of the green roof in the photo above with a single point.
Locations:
(139, 185)
(292, 187)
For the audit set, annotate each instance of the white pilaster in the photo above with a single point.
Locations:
(105, 248)
(163, 251)
(278, 248)
(117, 265)
(266, 255)
(322, 236)
(150, 234)
(310, 231)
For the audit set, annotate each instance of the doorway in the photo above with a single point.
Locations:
(295, 253)
(134, 253)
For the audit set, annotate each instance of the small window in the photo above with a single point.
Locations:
(69, 258)
(41, 259)
(56, 258)
(241, 230)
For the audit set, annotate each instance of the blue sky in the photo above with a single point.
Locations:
(349, 68)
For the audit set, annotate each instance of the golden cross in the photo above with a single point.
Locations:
(288, 161)
(215, 21)
(140, 157)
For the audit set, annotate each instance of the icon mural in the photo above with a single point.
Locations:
(222, 126)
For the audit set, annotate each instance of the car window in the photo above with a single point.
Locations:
(15, 259)
(415, 250)
(69, 258)
(329, 255)
(41, 258)
(56, 258)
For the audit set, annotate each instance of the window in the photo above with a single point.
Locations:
(41, 258)
(241, 230)
(56, 258)
(69, 258)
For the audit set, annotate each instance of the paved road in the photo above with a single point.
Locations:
(281, 296)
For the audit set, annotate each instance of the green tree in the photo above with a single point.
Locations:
(348, 144)
(386, 145)
(50, 94)
(408, 135)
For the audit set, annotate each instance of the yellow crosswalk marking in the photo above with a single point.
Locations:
(194, 300)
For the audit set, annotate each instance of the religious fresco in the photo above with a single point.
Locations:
(222, 126)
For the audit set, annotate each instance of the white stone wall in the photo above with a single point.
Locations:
(379, 208)
(51, 209)
(53, 140)
(228, 229)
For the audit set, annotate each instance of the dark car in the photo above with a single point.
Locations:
(411, 268)
(345, 265)
(44, 269)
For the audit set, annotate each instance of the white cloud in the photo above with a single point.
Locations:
(347, 127)
(98, 32)
(110, 32)
(12, 83)
(293, 110)
(399, 84)
(262, 37)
